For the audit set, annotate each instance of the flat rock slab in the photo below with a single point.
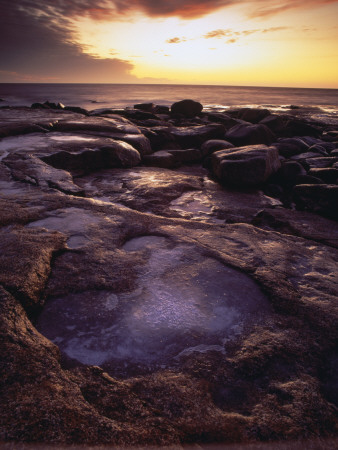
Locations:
(205, 330)
(175, 194)
(69, 151)
(14, 121)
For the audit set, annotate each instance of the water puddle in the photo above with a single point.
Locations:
(184, 303)
(72, 221)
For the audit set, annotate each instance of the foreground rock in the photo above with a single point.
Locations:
(245, 166)
(188, 108)
(172, 309)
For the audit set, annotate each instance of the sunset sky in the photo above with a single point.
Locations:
(223, 42)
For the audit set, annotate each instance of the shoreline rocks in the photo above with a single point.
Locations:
(153, 222)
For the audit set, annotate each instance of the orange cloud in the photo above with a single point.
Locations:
(175, 40)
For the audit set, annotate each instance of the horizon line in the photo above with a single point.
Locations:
(169, 84)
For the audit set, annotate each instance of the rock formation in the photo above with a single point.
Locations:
(167, 277)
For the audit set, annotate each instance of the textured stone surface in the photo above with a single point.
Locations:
(217, 307)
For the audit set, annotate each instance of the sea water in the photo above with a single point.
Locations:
(320, 104)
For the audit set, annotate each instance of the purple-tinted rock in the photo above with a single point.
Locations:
(245, 166)
(187, 155)
(161, 158)
(243, 134)
(253, 115)
(319, 198)
(328, 175)
(214, 145)
(188, 108)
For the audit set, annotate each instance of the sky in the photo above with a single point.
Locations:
(223, 42)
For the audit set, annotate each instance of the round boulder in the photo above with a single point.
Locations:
(188, 108)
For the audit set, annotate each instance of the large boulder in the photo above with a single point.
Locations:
(245, 166)
(319, 198)
(213, 145)
(188, 108)
(161, 158)
(195, 136)
(253, 115)
(244, 134)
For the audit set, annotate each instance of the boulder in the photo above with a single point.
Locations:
(212, 145)
(320, 162)
(289, 172)
(329, 175)
(188, 108)
(160, 138)
(77, 109)
(161, 158)
(243, 134)
(253, 115)
(274, 122)
(145, 106)
(245, 166)
(288, 147)
(319, 198)
(187, 155)
(299, 127)
(195, 136)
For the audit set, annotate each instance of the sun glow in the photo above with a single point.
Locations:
(221, 48)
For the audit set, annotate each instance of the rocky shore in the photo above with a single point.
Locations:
(167, 275)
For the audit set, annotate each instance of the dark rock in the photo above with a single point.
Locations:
(161, 158)
(222, 118)
(77, 109)
(135, 114)
(297, 127)
(252, 115)
(318, 149)
(305, 156)
(161, 109)
(40, 106)
(320, 162)
(308, 179)
(328, 175)
(243, 134)
(289, 172)
(188, 108)
(245, 166)
(288, 147)
(195, 136)
(211, 146)
(275, 122)
(160, 138)
(319, 198)
(145, 106)
(187, 155)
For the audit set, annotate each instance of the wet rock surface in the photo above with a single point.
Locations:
(145, 303)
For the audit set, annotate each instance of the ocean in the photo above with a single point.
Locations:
(319, 104)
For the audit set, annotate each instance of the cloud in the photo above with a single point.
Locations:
(36, 37)
(37, 45)
(218, 34)
(265, 8)
(175, 40)
(273, 29)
